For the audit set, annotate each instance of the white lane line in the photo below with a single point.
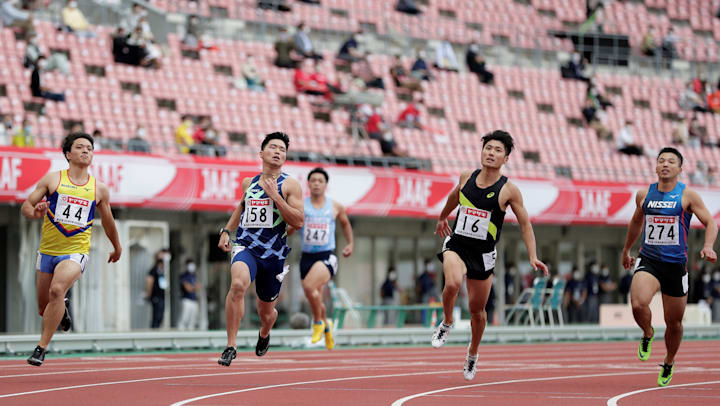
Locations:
(282, 385)
(613, 401)
(401, 401)
(82, 371)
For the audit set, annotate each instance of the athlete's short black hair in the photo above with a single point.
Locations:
(320, 171)
(672, 151)
(71, 138)
(502, 136)
(276, 136)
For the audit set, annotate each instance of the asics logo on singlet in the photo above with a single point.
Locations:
(655, 204)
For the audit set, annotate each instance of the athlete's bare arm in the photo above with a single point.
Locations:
(515, 201)
(697, 207)
(35, 207)
(291, 208)
(108, 221)
(453, 199)
(634, 229)
(344, 221)
(234, 222)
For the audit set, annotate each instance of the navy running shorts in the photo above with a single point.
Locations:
(308, 259)
(263, 271)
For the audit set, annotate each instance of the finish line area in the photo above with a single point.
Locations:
(557, 373)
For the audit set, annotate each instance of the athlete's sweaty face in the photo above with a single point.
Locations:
(493, 154)
(668, 166)
(81, 152)
(317, 184)
(274, 152)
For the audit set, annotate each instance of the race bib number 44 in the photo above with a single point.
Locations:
(472, 223)
(72, 210)
(662, 230)
(258, 213)
(317, 233)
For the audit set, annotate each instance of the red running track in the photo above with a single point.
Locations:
(528, 374)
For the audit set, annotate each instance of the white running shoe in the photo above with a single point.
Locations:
(440, 335)
(470, 367)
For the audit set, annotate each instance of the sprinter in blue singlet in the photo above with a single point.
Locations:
(662, 218)
(318, 263)
(272, 201)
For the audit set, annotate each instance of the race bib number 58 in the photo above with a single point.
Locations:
(72, 210)
(472, 223)
(258, 213)
(662, 230)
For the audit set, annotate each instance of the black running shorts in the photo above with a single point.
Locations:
(479, 265)
(673, 277)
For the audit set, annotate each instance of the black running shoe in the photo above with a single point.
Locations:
(66, 322)
(37, 357)
(262, 345)
(227, 356)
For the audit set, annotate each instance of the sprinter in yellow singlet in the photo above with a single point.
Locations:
(71, 197)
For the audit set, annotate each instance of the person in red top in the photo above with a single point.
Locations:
(714, 101)
(410, 117)
(378, 130)
(306, 81)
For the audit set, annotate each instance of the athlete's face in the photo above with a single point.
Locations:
(81, 152)
(493, 154)
(668, 166)
(274, 153)
(317, 184)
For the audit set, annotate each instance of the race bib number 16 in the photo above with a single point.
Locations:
(472, 223)
(258, 213)
(662, 230)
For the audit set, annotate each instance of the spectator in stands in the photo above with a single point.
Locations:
(575, 68)
(14, 17)
(133, 19)
(690, 99)
(305, 80)
(23, 137)
(285, 56)
(701, 175)
(252, 76)
(183, 134)
(592, 299)
(388, 295)
(199, 136)
(624, 285)
(363, 70)
(6, 129)
(350, 49)
(36, 86)
(402, 79)
(153, 55)
(598, 99)
(713, 101)
(139, 142)
(626, 140)
(680, 132)
(648, 47)
(445, 58)
(378, 130)
(277, 5)
(189, 286)
(607, 285)
(408, 7)
(420, 69)
(669, 47)
(104, 143)
(593, 118)
(193, 32)
(426, 282)
(410, 117)
(74, 20)
(303, 45)
(476, 64)
(55, 61)
(212, 140)
(574, 297)
(155, 285)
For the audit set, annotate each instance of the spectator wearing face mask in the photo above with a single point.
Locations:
(139, 142)
(575, 295)
(156, 283)
(36, 85)
(388, 295)
(6, 128)
(74, 20)
(24, 138)
(189, 287)
(592, 286)
(607, 285)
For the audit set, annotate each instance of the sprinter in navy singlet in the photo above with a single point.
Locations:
(469, 248)
(662, 219)
(271, 202)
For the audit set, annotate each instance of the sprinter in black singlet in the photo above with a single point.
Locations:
(469, 248)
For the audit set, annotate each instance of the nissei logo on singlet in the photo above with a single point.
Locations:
(655, 204)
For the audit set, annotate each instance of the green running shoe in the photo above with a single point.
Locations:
(666, 374)
(645, 347)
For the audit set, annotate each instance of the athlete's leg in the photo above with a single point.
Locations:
(674, 308)
(316, 278)
(454, 270)
(478, 293)
(43, 290)
(268, 314)
(643, 288)
(66, 273)
(235, 300)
